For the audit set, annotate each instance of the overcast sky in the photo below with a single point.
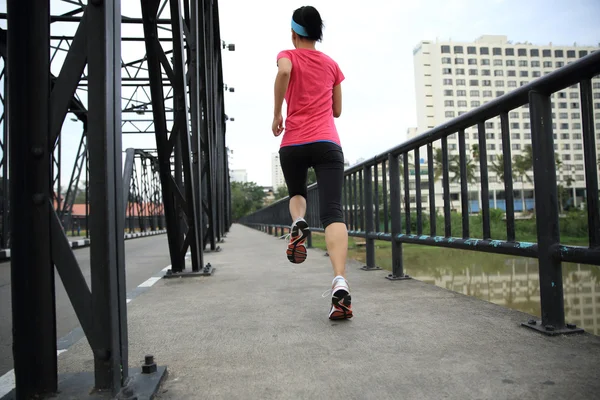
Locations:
(373, 43)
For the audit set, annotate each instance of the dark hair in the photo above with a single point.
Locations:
(310, 19)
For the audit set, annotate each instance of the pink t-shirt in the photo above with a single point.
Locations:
(309, 98)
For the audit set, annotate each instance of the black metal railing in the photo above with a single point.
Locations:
(375, 186)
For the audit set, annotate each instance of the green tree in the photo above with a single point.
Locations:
(246, 197)
(312, 177)
(280, 192)
(497, 167)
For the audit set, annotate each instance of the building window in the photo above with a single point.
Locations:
(460, 71)
(596, 85)
(514, 114)
(499, 83)
(564, 136)
(566, 157)
(596, 95)
(485, 72)
(492, 158)
(448, 92)
(449, 114)
(525, 115)
(522, 63)
(490, 135)
(471, 50)
(461, 93)
(536, 74)
(461, 113)
(498, 63)
(534, 53)
(577, 136)
(514, 125)
(499, 93)
(575, 105)
(512, 83)
(462, 103)
(522, 52)
(562, 105)
(547, 53)
(447, 81)
(484, 51)
(486, 83)
(516, 146)
(527, 136)
(535, 64)
(527, 125)
(578, 157)
(560, 64)
(547, 64)
(449, 103)
(570, 53)
(566, 146)
(474, 93)
(497, 51)
(523, 74)
(447, 71)
(475, 103)
(583, 53)
(489, 125)
(446, 60)
(577, 146)
(461, 82)
(561, 95)
(578, 167)
(472, 61)
(491, 146)
(451, 146)
(510, 63)
(576, 125)
(445, 49)
(559, 53)
(597, 106)
(498, 73)
(509, 52)
(515, 136)
(473, 82)
(487, 93)
(485, 61)
(564, 126)
(563, 115)
(459, 61)
(473, 72)
(575, 115)
(511, 73)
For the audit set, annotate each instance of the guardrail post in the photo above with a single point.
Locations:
(546, 208)
(395, 200)
(368, 214)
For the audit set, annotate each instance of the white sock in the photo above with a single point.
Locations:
(338, 277)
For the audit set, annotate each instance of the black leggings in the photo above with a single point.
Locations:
(327, 159)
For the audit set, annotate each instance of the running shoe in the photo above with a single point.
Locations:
(341, 301)
(296, 250)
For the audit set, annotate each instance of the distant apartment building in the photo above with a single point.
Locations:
(452, 78)
(277, 178)
(239, 175)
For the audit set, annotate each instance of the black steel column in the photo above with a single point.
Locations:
(32, 271)
(395, 201)
(544, 174)
(107, 259)
(368, 213)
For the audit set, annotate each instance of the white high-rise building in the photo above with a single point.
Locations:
(277, 178)
(452, 78)
(239, 175)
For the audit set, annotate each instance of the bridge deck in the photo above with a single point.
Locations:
(258, 329)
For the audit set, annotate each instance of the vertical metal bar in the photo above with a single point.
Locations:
(508, 178)
(431, 172)
(5, 173)
(395, 201)
(376, 195)
(446, 184)
(356, 225)
(406, 193)
(544, 175)
(464, 183)
(589, 151)
(368, 211)
(107, 258)
(485, 189)
(418, 191)
(361, 206)
(386, 218)
(32, 271)
(345, 196)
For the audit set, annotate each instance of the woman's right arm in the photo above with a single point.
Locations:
(337, 101)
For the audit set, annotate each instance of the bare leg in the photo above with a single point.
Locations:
(297, 207)
(336, 238)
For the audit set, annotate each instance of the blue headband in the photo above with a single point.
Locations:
(299, 29)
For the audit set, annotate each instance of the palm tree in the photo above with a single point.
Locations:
(497, 167)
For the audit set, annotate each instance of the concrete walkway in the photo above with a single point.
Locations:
(258, 329)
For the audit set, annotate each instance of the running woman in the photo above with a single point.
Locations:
(310, 82)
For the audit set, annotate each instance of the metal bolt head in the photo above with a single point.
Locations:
(149, 359)
(571, 326)
(532, 322)
(549, 328)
